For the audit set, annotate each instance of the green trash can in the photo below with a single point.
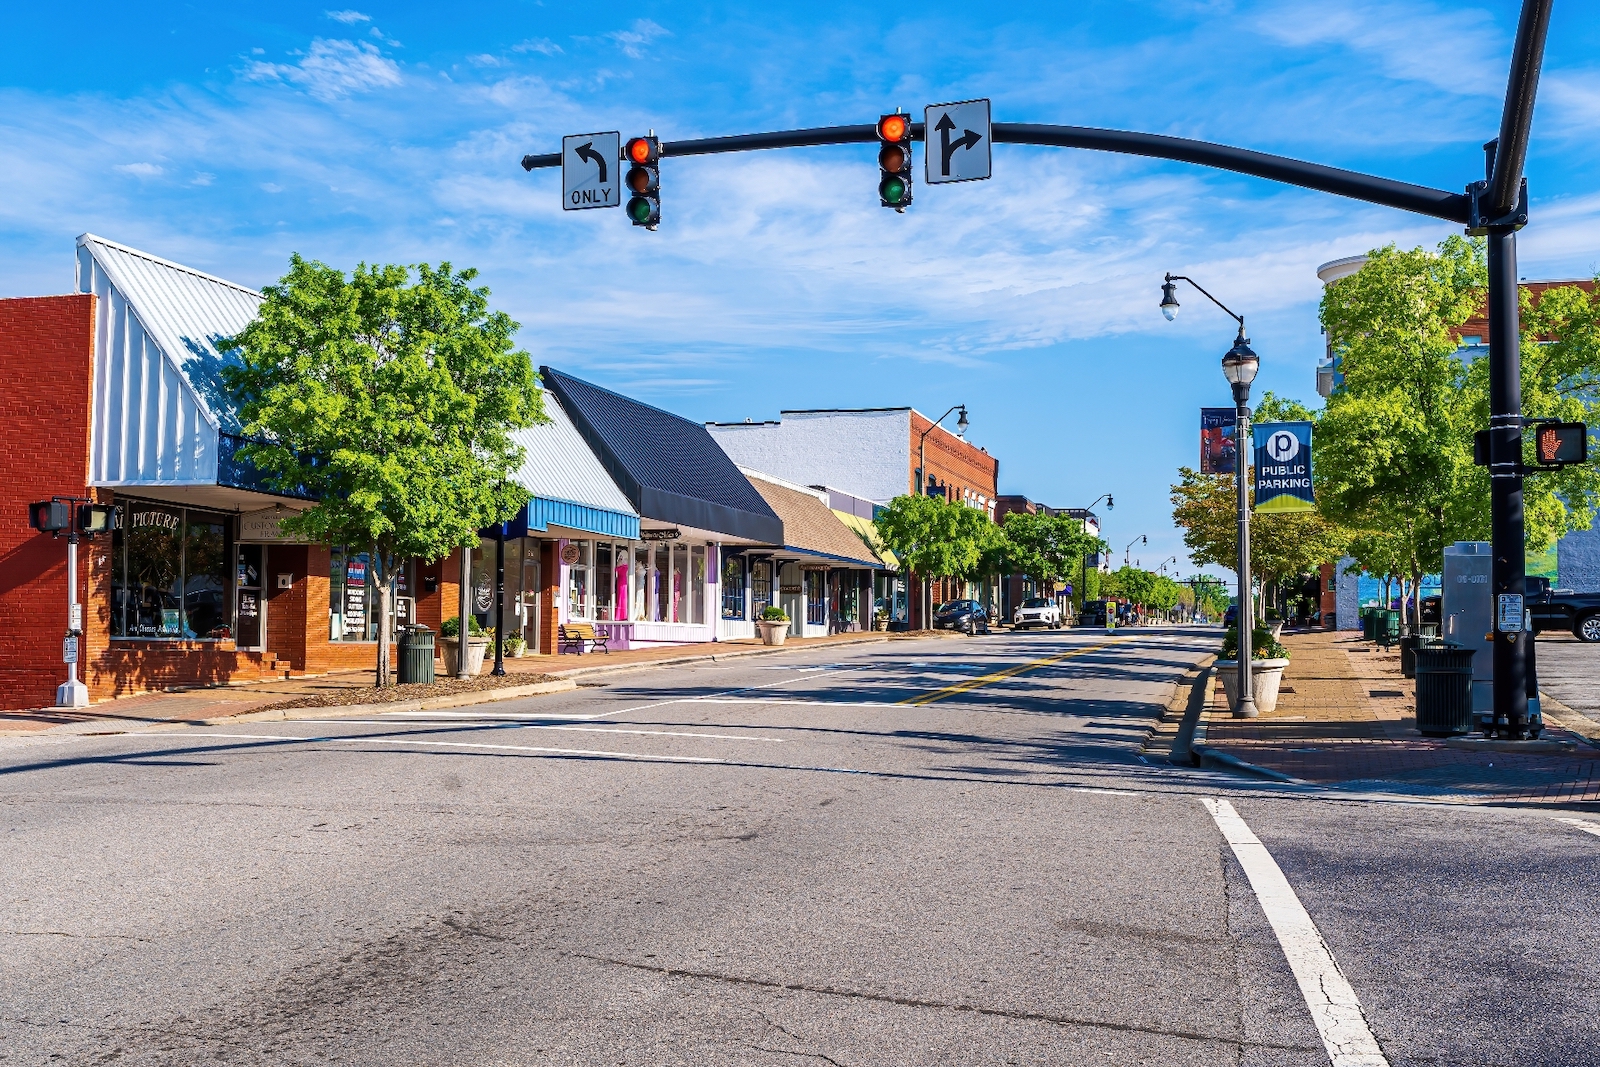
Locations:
(416, 655)
(1388, 626)
(1444, 690)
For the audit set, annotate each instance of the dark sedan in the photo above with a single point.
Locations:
(965, 615)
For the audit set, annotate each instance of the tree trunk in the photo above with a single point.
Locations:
(385, 578)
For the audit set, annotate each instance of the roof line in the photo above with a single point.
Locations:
(85, 238)
(584, 381)
(839, 411)
(751, 472)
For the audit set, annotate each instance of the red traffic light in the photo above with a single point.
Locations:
(643, 150)
(894, 128)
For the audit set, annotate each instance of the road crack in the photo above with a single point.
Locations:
(940, 1005)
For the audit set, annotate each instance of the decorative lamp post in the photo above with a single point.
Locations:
(1083, 564)
(1239, 366)
(922, 490)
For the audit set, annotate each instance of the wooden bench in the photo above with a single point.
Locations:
(572, 635)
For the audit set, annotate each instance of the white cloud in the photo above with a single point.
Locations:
(634, 40)
(203, 178)
(349, 18)
(139, 170)
(1461, 51)
(332, 69)
(542, 45)
(271, 187)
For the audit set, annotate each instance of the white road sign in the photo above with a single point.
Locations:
(957, 142)
(590, 171)
(69, 650)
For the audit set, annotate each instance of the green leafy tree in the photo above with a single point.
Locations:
(391, 402)
(1281, 545)
(1046, 548)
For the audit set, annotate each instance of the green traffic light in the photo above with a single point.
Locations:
(892, 189)
(640, 209)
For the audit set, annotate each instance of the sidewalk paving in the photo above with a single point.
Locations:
(231, 701)
(1347, 717)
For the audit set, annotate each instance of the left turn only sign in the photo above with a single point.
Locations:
(589, 170)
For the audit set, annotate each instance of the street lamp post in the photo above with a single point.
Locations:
(1239, 366)
(922, 488)
(1142, 539)
(1083, 564)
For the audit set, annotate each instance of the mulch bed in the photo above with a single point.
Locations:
(396, 694)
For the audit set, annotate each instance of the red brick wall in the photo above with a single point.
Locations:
(47, 367)
(286, 608)
(950, 460)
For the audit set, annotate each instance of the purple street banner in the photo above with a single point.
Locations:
(1283, 467)
(1217, 448)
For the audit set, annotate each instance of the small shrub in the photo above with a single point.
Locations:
(1262, 644)
(451, 627)
(772, 613)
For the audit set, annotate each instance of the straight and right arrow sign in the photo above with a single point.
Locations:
(958, 140)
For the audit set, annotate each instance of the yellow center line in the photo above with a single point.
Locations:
(1010, 672)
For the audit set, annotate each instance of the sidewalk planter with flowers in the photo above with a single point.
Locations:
(1267, 662)
(450, 646)
(774, 626)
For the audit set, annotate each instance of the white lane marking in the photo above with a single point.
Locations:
(358, 739)
(1333, 1003)
(1583, 824)
(575, 729)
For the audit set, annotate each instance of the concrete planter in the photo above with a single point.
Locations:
(1275, 628)
(450, 647)
(773, 631)
(1266, 676)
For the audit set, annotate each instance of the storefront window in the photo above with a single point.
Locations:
(169, 573)
(641, 583)
(680, 583)
(760, 586)
(603, 586)
(697, 584)
(353, 596)
(663, 582)
(579, 581)
(733, 587)
(816, 598)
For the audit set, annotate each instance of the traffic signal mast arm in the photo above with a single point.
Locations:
(1419, 199)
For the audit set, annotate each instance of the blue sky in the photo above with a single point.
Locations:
(392, 133)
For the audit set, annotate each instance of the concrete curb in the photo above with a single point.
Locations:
(1570, 719)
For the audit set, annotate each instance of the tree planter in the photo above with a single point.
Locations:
(880, 625)
(476, 647)
(773, 631)
(1266, 675)
(1275, 628)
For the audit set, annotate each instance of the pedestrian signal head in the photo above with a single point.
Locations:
(894, 161)
(1558, 444)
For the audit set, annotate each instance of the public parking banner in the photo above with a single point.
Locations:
(1283, 467)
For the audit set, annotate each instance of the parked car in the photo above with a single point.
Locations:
(1231, 616)
(965, 615)
(1037, 611)
(1093, 614)
(1562, 609)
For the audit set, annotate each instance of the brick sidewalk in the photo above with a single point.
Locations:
(1347, 717)
(226, 701)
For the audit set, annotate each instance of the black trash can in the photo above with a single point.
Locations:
(1408, 655)
(1388, 627)
(416, 655)
(1444, 690)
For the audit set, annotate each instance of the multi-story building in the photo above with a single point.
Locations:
(1015, 588)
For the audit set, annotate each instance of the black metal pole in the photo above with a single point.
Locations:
(1246, 708)
(1508, 567)
(1516, 117)
(500, 599)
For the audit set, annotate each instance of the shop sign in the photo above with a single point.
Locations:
(263, 526)
(569, 554)
(671, 534)
(791, 588)
(158, 520)
(355, 596)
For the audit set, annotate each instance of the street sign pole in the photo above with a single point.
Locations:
(72, 693)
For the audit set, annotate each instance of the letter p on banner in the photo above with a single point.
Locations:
(1283, 467)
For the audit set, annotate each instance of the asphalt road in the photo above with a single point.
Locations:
(931, 853)
(1569, 670)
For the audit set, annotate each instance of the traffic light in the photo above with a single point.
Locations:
(644, 181)
(1558, 444)
(894, 161)
(96, 518)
